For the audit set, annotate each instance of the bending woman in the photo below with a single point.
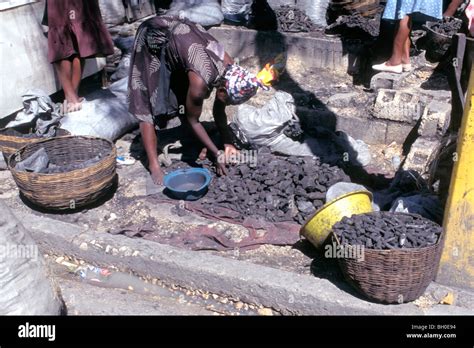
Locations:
(175, 66)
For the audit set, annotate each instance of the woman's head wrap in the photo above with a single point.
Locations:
(241, 84)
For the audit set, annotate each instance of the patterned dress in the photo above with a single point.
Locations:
(398, 9)
(166, 49)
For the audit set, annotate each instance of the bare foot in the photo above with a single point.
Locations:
(156, 175)
(73, 106)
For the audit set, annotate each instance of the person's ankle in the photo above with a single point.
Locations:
(393, 62)
(154, 167)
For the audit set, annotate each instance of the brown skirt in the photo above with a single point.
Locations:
(76, 28)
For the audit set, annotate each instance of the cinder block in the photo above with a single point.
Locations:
(397, 106)
(435, 119)
(420, 154)
(387, 80)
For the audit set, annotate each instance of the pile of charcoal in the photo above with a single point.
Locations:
(275, 188)
(386, 230)
(293, 20)
(355, 26)
(448, 26)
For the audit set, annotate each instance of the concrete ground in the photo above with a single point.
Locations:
(126, 294)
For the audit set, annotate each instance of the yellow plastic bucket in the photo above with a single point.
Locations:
(319, 226)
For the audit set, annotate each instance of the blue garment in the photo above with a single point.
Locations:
(398, 9)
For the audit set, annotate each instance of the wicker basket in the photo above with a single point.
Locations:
(73, 189)
(12, 140)
(392, 276)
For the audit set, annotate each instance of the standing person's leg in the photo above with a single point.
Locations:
(406, 50)
(77, 69)
(64, 70)
(400, 50)
(400, 43)
(452, 8)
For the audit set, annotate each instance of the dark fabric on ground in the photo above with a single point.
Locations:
(203, 237)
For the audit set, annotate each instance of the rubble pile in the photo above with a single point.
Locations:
(385, 230)
(293, 20)
(275, 188)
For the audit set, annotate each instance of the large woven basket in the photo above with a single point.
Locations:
(392, 276)
(73, 189)
(12, 140)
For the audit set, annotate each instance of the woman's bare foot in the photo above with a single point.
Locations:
(156, 175)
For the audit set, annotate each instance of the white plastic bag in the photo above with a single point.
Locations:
(315, 9)
(104, 114)
(236, 7)
(204, 12)
(25, 288)
(265, 126)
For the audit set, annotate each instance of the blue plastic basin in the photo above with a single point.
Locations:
(187, 184)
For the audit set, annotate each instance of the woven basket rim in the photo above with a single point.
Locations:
(58, 175)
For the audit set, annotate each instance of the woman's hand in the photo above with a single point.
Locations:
(156, 174)
(220, 168)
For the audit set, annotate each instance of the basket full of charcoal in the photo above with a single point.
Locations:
(400, 254)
